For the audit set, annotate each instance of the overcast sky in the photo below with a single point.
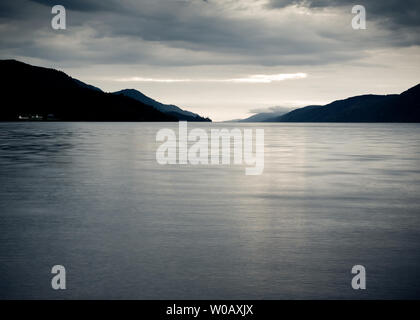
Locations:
(222, 58)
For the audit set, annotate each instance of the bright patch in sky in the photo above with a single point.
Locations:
(258, 78)
(268, 78)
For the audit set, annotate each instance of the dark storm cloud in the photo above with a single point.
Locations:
(82, 5)
(396, 13)
(11, 10)
(182, 32)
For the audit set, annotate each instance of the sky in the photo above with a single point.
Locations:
(225, 59)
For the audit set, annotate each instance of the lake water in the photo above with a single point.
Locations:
(91, 197)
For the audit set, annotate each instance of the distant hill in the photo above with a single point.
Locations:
(259, 117)
(165, 108)
(404, 107)
(264, 116)
(82, 84)
(36, 93)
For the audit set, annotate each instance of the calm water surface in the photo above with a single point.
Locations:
(91, 197)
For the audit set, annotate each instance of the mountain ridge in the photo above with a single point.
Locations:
(404, 107)
(182, 115)
(37, 93)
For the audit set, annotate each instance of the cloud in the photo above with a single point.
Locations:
(189, 32)
(392, 13)
(141, 79)
(258, 78)
(83, 5)
(268, 78)
(273, 33)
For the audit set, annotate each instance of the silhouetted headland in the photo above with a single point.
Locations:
(404, 107)
(39, 94)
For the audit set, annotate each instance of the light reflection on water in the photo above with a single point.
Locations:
(90, 196)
